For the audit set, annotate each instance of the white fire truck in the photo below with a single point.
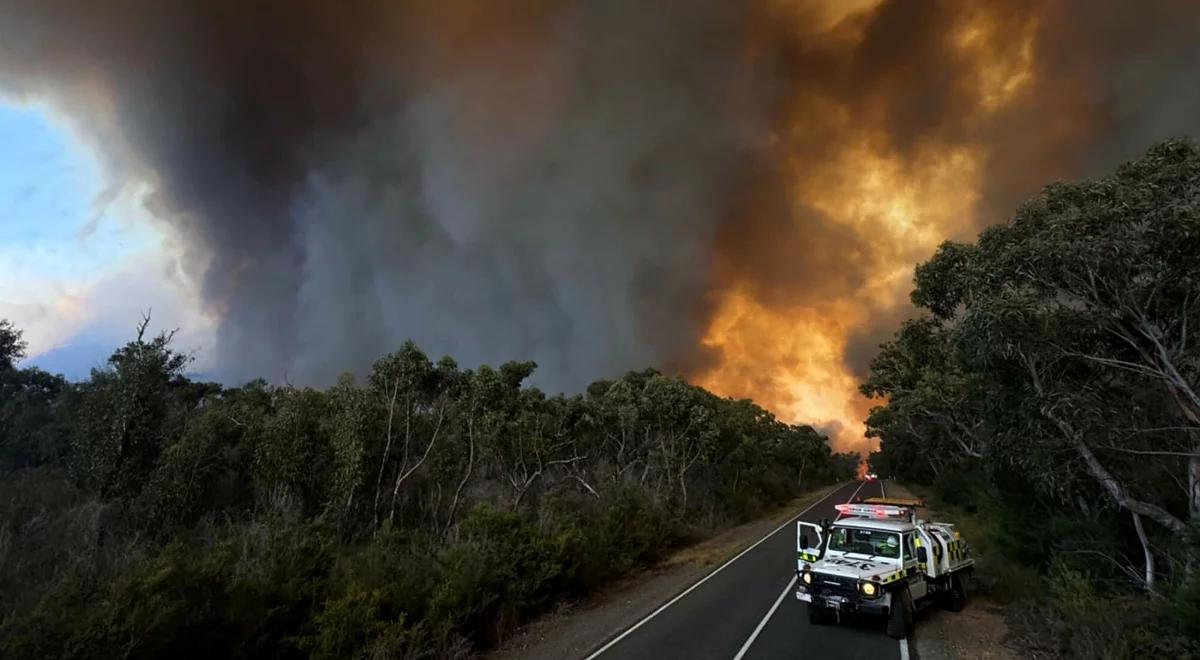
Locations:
(879, 558)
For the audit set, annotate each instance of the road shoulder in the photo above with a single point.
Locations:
(979, 631)
(575, 628)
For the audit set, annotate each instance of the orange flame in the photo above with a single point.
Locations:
(791, 358)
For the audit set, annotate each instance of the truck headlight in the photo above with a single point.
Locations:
(870, 590)
(807, 577)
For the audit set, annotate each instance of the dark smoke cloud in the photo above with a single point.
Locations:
(1006, 96)
(537, 181)
(218, 105)
(567, 181)
(1111, 79)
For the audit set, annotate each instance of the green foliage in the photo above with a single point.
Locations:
(35, 413)
(1057, 372)
(1081, 621)
(350, 425)
(204, 471)
(292, 453)
(242, 595)
(12, 346)
(127, 415)
(421, 514)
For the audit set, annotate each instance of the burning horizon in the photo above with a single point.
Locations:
(739, 193)
(908, 124)
(897, 201)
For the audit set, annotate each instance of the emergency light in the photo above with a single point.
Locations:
(872, 510)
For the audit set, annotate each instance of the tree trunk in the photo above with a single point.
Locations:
(387, 450)
(401, 476)
(586, 485)
(523, 488)
(1114, 487)
(466, 477)
(1149, 556)
(1194, 486)
(1107, 481)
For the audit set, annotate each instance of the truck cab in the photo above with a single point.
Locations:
(878, 558)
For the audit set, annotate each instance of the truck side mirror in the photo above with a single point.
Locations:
(922, 556)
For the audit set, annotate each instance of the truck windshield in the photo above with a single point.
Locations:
(866, 542)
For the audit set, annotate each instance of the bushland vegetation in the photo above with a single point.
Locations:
(1053, 381)
(421, 512)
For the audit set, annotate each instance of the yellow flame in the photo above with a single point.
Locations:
(1003, 61)
(806, 383)
(792, 360)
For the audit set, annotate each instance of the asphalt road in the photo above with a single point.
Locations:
(747, 609)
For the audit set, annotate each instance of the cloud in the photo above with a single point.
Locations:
(106, 311)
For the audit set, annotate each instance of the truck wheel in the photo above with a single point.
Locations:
(817, 615)
(900, 617)
(956, 598)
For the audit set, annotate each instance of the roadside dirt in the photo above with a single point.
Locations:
(980, 631)
(577, 628)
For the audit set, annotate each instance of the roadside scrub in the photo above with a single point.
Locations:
(1061, 600)
(999, 577)
(425, 512)
(573, 626)
(1050, 381)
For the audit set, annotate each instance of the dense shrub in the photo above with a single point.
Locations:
(1052, 378)
(1082, 621)
(422, 514)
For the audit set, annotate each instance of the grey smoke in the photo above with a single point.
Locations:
(559, 180)
(581, 238)
(546, 187)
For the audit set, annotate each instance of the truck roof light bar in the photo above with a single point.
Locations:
(872, 510)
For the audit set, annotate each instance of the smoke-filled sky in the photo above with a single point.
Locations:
(734, 190)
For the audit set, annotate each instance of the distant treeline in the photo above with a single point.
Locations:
(422, 513)
(1055, 381)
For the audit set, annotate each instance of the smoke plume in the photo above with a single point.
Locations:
(738, 190)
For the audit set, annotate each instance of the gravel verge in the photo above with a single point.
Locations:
(980, 631)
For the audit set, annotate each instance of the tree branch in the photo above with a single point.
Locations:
(1149, 452)
(1097, 469)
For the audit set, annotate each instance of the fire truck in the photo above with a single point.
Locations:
(879, 558)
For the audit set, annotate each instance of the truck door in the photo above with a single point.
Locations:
(925, 544)
(941, 550)
(810, 543)
(916, 586)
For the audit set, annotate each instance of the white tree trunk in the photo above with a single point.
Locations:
(1149, 556)
(1194, 487)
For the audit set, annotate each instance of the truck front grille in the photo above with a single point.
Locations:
(834, 585)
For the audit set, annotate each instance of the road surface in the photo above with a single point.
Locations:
(747, 609)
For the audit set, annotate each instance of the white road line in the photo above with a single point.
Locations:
(762, 624)
(903, 642)
(689, 590)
